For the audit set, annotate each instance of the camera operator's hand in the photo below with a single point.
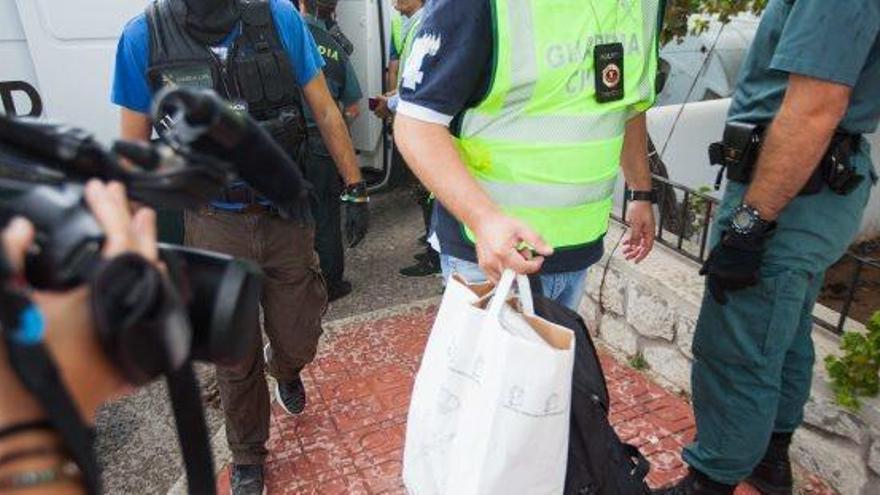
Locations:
(70, 334)
(88, 373)
(71, 339)
(357, 213)
(17, 239)
(17, 405)
(124, 232)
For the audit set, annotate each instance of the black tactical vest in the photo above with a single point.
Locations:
(256, 75)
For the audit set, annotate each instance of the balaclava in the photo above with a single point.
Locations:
(210, 21)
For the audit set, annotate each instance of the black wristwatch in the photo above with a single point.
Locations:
(746, 221)
(649, 196)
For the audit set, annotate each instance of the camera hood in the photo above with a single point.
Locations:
(223, 298)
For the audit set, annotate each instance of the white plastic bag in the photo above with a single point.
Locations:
(492, 415)
(441, 381)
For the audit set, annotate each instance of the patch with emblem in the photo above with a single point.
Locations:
(188, 77)
(608, 61)
(426, 45)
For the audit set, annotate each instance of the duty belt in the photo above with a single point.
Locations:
(738, 154)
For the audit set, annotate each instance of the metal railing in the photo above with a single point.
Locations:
(684, 226)
(862, 264)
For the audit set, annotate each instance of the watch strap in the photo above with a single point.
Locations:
(356, 193)
(758, 226)
(649, 196)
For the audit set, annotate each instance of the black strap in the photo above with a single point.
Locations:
(642, 465)
(192, 432)
(536, 285)
(39, 375)
(15, 429)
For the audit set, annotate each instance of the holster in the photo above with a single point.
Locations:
(738, 153)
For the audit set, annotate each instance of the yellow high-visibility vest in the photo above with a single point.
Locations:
(540, 143)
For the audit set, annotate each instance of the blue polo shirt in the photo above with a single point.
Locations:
(824, 39)
(454, 76)
(132, 89)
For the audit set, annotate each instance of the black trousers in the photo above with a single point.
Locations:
(321, 171)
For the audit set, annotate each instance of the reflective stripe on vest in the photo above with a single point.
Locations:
(539, 143)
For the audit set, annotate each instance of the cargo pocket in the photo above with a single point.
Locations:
(757, 324)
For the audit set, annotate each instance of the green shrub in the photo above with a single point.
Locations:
(856, 374)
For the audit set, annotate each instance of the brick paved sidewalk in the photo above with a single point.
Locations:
(350, 439)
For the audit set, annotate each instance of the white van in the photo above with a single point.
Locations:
(56, 61)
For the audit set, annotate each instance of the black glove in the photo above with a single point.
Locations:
(357, 213)
(735, 263)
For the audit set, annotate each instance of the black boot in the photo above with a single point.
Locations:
(338, 290)
(428, 265)
(696, 483)
(772, 476)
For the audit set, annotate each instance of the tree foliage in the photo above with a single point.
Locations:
(678, 12)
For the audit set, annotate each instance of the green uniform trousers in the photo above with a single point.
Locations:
(320, 170)
(753, 357)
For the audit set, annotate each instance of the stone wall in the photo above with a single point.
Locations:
(651, 309)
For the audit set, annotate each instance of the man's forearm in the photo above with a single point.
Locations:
(442, 171)
(791, 153)
(795, 143)
(634, 158)
(134, 126)
(393, 68)
(334, 131)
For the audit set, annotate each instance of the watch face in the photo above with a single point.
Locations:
(743, 220)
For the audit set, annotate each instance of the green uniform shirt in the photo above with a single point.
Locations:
(831, 40)
(340, 76)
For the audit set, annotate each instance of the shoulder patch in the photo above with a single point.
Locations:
(426, 45)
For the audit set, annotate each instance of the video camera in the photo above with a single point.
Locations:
(150, 324)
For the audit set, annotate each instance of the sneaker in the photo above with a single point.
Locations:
(428, 266)
(338, 290)
(247, 479)
(426, 255)
(291, 396)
